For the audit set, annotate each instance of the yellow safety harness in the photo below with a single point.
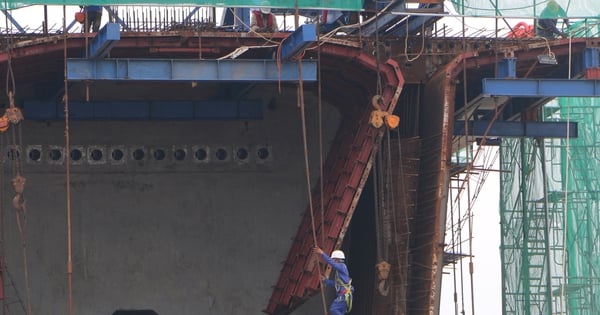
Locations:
(348, 289)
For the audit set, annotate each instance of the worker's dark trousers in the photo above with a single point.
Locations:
(546, 33)
(338, 307)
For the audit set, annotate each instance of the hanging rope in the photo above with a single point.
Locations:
(377, 56)
(377, 207)
(321, 163)
(422, 44)
(376, 182)
(382, 183)
(379, 203)
(14, 116)
(18, 202)
(67, 170)
(381, 189)
(6, 276)
(300, 98)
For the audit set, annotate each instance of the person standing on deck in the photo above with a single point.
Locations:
(93, 17)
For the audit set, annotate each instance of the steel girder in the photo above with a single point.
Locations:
(189, 70)
(550, 129)
(541, 87)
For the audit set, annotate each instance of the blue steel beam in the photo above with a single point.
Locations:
(507, 68)
(413, 24)
(13, 21)
(541, 87)
(591, 58)
(73, 22)
(188, 70)
(104, 40)
(381, 21)
(298, 40)
(189, 17)
(517, 129)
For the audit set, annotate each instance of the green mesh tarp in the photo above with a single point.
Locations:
(527, 8)
(349, 5)
(549, 203)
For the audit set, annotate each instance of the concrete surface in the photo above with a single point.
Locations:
(174, 236)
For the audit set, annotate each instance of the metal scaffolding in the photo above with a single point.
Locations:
(550, 222)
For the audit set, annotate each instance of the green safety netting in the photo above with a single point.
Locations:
(550, 218)
(527, 8)
(350, 5)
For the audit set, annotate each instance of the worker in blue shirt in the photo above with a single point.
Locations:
(341, 282)
(545, 26)
(93, 16)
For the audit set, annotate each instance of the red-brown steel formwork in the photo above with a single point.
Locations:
(434, 178)
(349, 163)
(427, 245)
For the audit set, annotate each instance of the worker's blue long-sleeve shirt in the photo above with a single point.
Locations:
(342, 272)
(93, 8)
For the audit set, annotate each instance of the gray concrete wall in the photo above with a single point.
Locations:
(175, 236)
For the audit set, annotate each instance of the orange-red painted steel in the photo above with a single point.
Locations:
(349, 166)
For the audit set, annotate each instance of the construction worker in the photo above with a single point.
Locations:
(93, 16)
(545, 26)
(342, 282)
(263, 20)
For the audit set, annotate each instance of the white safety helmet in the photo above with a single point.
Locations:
(337, 254)
(265, 10)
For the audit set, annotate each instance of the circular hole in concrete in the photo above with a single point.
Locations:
(35, 155)
(179, 154)
(221, 154)
(117, 154)
(138, 154)
(76, 155)
(263, 153)
(242, 153)
(13, 154)
(201, 154)
(55, 154)
(96, 155)
(159, 154)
